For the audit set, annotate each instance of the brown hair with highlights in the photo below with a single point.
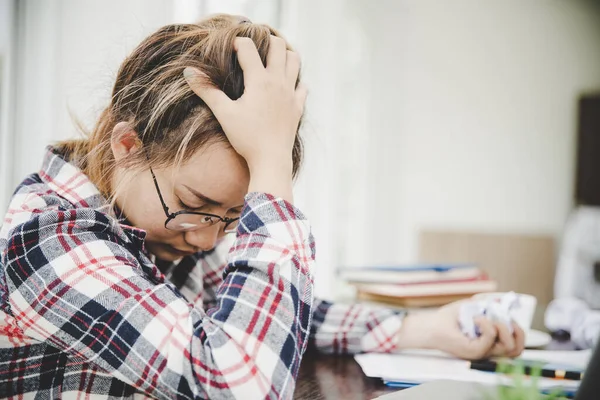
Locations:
(151, 94)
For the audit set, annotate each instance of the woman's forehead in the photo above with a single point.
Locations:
(216, 169)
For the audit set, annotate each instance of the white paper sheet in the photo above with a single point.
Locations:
(424, 366)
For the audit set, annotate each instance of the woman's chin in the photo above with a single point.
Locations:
(164, 252)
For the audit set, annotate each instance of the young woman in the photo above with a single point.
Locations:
(162, 256)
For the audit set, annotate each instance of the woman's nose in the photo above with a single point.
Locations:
(204, 239)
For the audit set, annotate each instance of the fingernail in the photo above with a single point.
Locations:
(190, 72)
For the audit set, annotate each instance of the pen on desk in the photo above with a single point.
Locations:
(492, 366)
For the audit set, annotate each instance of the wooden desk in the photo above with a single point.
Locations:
(335, 377)
(340, 377)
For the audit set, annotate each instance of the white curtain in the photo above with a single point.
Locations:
(331, 189)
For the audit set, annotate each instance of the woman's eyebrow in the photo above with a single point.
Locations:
(208, 199)
(203, 197)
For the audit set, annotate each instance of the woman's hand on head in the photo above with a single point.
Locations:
(440, 330)
(262, 124)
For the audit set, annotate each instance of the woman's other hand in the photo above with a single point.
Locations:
(440, 330)
(261, 125)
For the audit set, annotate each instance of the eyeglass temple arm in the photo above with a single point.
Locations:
(162, 201)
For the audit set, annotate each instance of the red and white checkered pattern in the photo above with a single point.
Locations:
(85, 311)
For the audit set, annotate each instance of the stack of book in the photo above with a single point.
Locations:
(419, 285)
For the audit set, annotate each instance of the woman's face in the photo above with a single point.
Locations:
(214, 180)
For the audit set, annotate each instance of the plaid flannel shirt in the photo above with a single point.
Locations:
(84, 309)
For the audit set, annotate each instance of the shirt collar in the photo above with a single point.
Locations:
(65, 178)
(69, 182)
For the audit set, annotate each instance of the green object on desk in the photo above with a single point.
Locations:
(520, 390)
(529, 368)
(456, 390)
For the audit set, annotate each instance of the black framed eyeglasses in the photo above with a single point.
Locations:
(186, 220)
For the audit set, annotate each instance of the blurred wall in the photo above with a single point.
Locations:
(473, 115)
(68, 53)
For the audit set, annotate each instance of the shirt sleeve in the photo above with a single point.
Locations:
(354, 328)
(73, 282)
(336, 328)
(200, 275)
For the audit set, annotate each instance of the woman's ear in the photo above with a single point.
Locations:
(124, 140)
